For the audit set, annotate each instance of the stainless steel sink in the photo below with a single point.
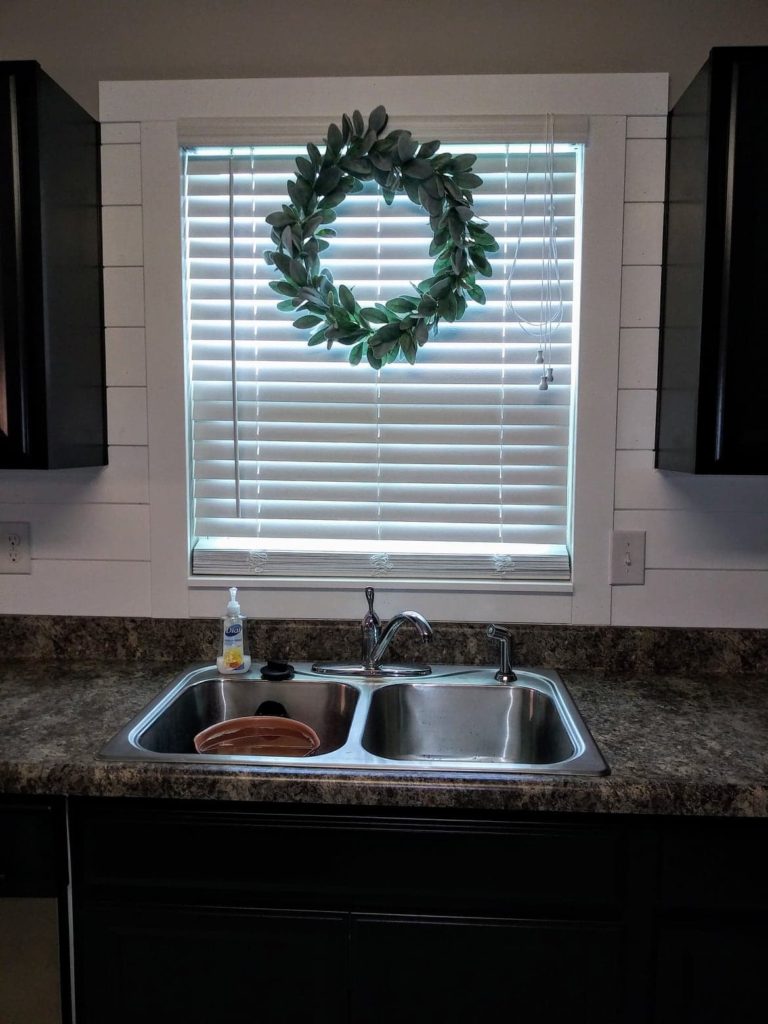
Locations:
(459, 721)
(456, 722)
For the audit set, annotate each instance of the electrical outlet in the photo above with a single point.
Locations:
(15, 554)
(628, 557)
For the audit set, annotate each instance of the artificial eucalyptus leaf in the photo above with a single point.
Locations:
(367, 141)
(282, 262)
(476, 293)
(412, 191)
(402, 304)
(317, 338)
(447, 307)
(378, 119)
(421, 333)
(305, 322)
(376, 316)
(440, 288)
(357, 353)
(358, 122)
(434, 207)
(347, 131)
(347, 298)
(297, 272)
(453, 190)
(407, 148)
(286, 238)
(428, 149)
(286, 306)
(314, 155)
(486, 241)
(433, 185)
(427, 306)
(334, 198)
(284, 288)
(334, 137)
(387, 333)
(456, 230)
(381, 161)
(462, 162)
(327, 180)
(418, 169)
(464, 213)
(279, 220)
(459, 261)
(300, 191)
(309, 294)
(468, 180)
(389, 196)
(357, 165)
(305, 168)
(478, 258)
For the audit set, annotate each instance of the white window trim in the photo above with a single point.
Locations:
(165, 110)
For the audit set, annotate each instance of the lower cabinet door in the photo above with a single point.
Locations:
(711, 974)
(150, 964)
(476, 971)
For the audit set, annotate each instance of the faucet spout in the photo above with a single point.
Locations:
(416, 619)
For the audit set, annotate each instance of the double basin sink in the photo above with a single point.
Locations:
(460, 720)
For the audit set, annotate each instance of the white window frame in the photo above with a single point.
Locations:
(171, 112)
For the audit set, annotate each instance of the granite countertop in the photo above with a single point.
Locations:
(690, 745)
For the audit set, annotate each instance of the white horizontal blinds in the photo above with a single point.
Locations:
(303, 465)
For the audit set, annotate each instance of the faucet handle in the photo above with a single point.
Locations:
(506, 673)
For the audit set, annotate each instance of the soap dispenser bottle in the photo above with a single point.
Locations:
(233, 652)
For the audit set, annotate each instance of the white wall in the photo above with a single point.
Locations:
(707, 546)
(706, 537)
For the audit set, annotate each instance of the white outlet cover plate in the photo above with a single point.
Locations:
(15, 552)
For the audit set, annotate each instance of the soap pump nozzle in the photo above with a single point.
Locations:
(233, 608)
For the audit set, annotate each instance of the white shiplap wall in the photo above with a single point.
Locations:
(90, 527)
(707, 539)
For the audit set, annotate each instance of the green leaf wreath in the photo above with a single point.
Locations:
(439, 182)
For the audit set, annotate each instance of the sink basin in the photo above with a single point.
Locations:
(456, 722)
(459, 721)
(169, 726)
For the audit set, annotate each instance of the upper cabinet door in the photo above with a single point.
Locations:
(712, 415)
(52, 387)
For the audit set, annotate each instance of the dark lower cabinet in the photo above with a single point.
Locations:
(415, 969)
(711, 973)
(158, 964)
(192, 913)
(195, 913)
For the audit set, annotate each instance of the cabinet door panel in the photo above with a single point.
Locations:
(198, 965)
(472, 971)
(711, 974)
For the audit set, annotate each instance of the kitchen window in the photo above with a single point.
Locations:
(457, 468)
(152, 122)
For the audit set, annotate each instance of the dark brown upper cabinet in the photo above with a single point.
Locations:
(713, 370)
(52, 388)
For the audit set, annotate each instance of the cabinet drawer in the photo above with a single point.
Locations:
(348, 861)
(32, 853)
(717, 865)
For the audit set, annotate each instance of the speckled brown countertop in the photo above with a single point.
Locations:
(693, 745)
